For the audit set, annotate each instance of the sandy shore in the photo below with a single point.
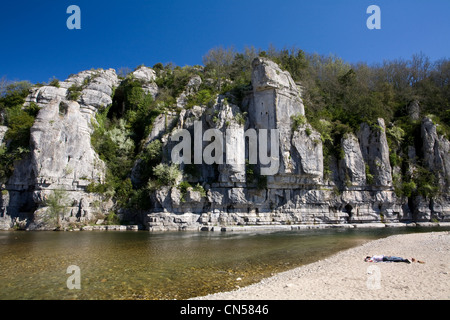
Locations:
(346, 275)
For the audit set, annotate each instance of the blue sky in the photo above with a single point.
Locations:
(36, 44)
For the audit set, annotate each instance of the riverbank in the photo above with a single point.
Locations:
(251, 228)
(281, 227)
(345, 275)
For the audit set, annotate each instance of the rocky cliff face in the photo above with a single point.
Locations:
(61, 158)
(359, 189)
(272, 170)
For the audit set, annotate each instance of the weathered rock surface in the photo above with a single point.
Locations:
(61, 156)
(191, 88)
(147, 77)
(375, 151)
(3, 130)
(285, 183)
(436, 152)
(436, 158)
(275, 99)
(297, 192)
(352, 166)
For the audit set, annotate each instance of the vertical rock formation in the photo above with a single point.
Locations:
(271, 171)
(275, 100)
(61, 158)
(436, 158)
(352, 166)
(375, 151)
(360, 187)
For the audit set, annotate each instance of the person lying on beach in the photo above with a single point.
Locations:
(383, 258)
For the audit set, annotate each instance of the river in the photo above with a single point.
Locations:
(169, 265)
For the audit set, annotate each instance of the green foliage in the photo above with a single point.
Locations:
(150, 157)
(442, 127)
(93, 187)
(426, 182)
(136, 107)
(123, 191)
(112, 219)
(218, 62)
(173, 80)
(395, 137)
(57, 203)
(369, 175)
(119, 136)
(153, 152)
(396, 134)
(19, 121)
(202, 97)
(423, 182)
(167, 175)
(252, 176)
(139, 199)
(74, 92)
(199, 188)
(54, 82)
(14, 94)
(408, 188)
(294, 61)
(241, 118)
(184, 186)
(192, 170)
(298, 121)
(112, 141)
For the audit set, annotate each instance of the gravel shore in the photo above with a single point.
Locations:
(345, 275)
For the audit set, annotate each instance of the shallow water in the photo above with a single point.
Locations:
(172, 265)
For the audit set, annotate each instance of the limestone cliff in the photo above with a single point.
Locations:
(298, 192)
(272, 170)
(61, 157)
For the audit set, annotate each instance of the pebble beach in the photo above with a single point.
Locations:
(346, 276)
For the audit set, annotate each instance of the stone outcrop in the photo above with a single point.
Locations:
(375, 151)
(61, 158)
(436, 152)
(352, 166)
(147, 77)
(360, 189)
(272, 171)
(436, 158)
(275, 99)
(3, 130)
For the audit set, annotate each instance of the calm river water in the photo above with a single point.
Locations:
(172, 265)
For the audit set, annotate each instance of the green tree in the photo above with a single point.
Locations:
(57, 203)
(218, 62)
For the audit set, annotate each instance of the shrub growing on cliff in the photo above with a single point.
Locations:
(202, 97)
(57, 203)
(253, 177)
(148, 158)
(74, 92)
(298, 121)
(14, 94)
(167, 175)
(426, 182)
(19, 123)
(54, 82)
